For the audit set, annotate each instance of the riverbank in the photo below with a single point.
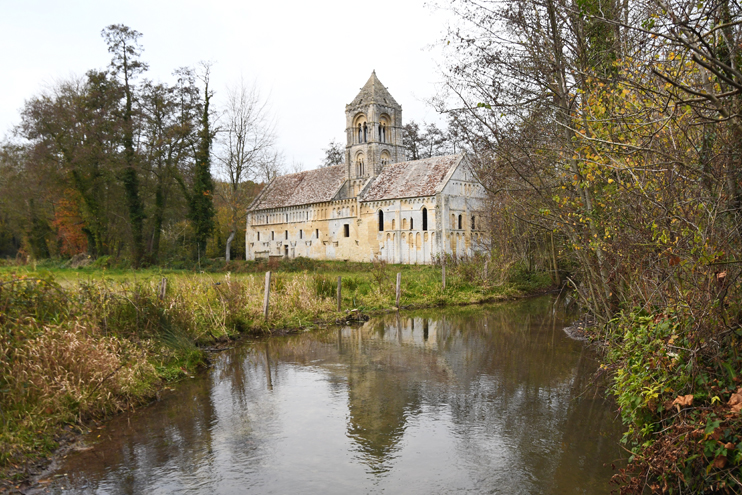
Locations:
(678, 386)
(82, 344)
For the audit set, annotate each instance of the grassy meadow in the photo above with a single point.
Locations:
(79, 344)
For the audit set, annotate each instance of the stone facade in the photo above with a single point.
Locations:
(374, 206)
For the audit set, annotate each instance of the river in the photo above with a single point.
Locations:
(493, 399)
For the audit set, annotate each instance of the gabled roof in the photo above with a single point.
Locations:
(412, 179)
(374, 92)
(311, 186)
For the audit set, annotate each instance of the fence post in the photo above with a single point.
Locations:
(267, 295)
(340, 285)
(399, 287)
(163, 288)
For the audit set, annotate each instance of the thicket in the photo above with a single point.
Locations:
(609, 138)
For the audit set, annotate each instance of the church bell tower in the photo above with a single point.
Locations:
(373, 132)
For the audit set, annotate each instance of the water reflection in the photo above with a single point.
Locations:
(473, 400)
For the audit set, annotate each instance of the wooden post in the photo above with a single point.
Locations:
(443, 276)
(163, 288)
(340, 285)
(399, 287)
(267, 295)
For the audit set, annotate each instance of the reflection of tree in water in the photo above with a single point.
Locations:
(519, 381)
(131, 454)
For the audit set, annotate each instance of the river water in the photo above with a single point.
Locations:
(474, 400)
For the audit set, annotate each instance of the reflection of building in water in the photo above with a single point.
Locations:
(386, 363)
(492, 370)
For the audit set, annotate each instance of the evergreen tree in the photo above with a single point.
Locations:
(201, 198)
(123, 43)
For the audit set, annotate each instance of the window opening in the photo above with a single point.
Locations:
(472, 222)
(381, 221)
(301, 234)
(365, 132)
(425, 219)
(286, 234)
(273, 236)
(316, 233)
(412, 223)
(258, 235)
(346, 229)
(459, 222)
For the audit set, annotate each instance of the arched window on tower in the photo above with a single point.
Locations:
(360, 133)
(383, 132)
(381, 221)
(365, 132)
(385, 158)
(425, 219)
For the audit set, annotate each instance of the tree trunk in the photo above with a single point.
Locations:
(229, 245)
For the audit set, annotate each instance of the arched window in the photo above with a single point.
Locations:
(393, 222)
(459, 222)
(412, 223)
(383, 132)
(425, 219)
(365, 132)
(360, 133)
(473, 226)
(381, 221)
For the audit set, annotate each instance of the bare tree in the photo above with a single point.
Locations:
(247, 148)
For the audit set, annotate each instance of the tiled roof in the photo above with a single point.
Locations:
(311, 186)
(374, 92)
(411, 179)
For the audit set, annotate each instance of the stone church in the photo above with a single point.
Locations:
(377, 205)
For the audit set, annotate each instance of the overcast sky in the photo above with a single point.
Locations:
(309, 57)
